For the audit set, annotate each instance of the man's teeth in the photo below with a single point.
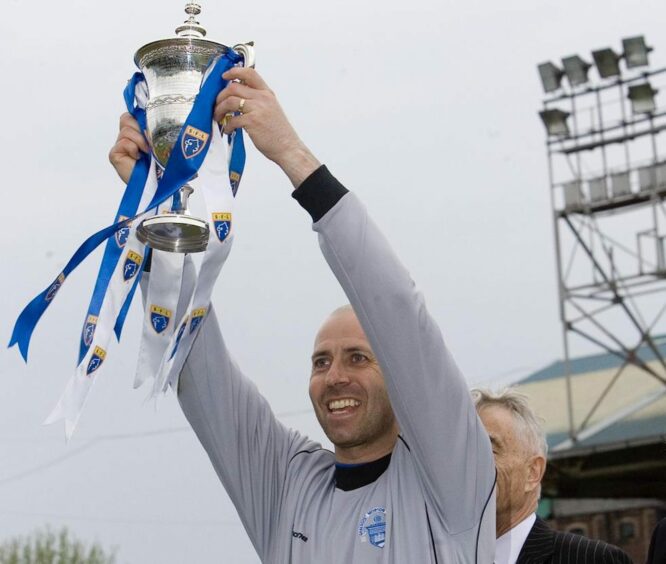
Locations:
(342, 403)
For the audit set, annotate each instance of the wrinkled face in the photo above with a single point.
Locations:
(511, 460)
(348, 392)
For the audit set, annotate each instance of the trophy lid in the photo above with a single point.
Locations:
(189, 34)
(191, 27)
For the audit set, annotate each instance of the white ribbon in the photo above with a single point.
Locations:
(219, 205)
(160, 313)
(72, 400)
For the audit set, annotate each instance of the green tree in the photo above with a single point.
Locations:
(47, 547)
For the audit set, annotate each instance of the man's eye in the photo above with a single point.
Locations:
(319, 363)
(358, 357)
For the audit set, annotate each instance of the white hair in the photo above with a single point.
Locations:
(529, 424)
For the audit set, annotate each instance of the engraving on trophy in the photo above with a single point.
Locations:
(162, 100)
(200, 53)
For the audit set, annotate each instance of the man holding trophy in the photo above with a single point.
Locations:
(412, 478)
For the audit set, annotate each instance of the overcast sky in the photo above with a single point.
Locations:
(426, 109)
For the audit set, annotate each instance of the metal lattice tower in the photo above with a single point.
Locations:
(607, 173)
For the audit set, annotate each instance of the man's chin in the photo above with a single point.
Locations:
(342, 439)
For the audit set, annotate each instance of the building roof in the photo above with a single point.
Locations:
(631, 403)
(594, 363)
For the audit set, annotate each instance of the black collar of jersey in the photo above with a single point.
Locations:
(350, 477)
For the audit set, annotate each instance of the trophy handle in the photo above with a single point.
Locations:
(246, 50)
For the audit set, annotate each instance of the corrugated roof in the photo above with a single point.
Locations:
(633, 391)
(625, 432)
(631, 430)
(593, 363)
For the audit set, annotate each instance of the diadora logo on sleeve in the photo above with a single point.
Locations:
(193, 141)
(372, 527)
(299, 536)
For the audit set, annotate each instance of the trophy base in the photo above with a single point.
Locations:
(175, 233)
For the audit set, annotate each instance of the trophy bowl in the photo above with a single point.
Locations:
(174, 70)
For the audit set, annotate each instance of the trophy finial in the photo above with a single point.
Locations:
(191, 27)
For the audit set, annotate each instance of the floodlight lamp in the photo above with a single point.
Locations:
(642, 98)
(576, 70)
(556, 122)
(607, 62)
(551, 76)
(635, 51)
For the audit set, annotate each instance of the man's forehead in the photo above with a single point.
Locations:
(341, 325)
(499, 422)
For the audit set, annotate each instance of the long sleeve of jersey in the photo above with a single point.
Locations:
(248, 447)
(429, 396)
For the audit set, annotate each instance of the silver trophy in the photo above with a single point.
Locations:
(174, 70)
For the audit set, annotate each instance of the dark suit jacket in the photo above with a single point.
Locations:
(657, 554)
(546, 546)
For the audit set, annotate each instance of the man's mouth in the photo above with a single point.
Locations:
(342, 405)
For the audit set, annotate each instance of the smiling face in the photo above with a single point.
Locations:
(348, 392)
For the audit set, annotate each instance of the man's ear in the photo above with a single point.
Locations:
(536, 468)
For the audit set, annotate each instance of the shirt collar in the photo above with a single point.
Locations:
(352, 476)
(509, 545)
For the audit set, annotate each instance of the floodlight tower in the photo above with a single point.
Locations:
(607, 178)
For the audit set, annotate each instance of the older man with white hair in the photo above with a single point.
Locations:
(520, 449)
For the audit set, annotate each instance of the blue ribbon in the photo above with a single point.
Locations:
(127, 208)
(179, 170)
(237, 160)
(122, 315)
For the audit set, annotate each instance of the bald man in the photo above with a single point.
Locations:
(412, 476)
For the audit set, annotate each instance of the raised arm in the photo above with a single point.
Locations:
(249, 448)
(429, 395)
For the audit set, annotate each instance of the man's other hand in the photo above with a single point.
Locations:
(128, 147)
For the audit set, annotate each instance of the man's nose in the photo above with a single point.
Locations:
(337, 375)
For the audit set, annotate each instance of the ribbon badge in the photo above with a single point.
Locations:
(99, 354)
(234, 179)
(131, 266)
(197, 318)
(53, 289)
(222, 222)
(123, 233)
(159, 318)
(89, 330)
(193, 142)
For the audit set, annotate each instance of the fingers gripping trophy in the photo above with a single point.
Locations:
(174, 70)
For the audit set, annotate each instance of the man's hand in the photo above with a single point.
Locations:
(126, 151)
(265, 122)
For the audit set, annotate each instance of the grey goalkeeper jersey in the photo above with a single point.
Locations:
(434, 503)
